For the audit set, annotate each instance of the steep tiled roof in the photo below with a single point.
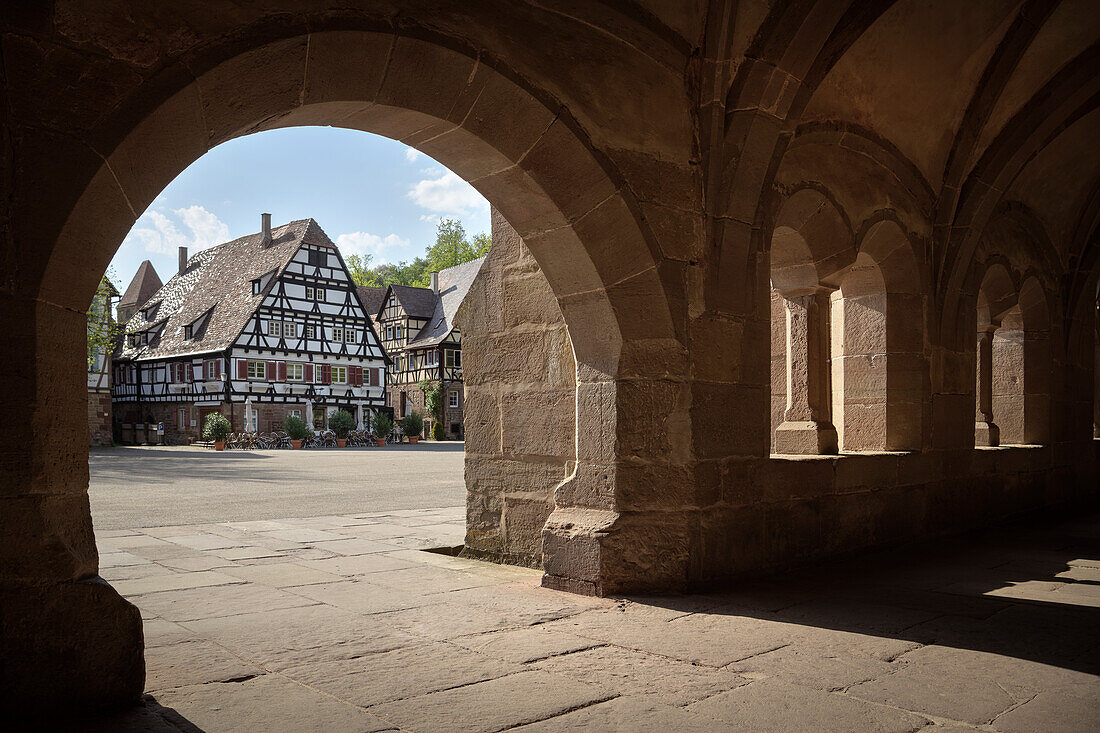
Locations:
(417, 302)
(454, 284)
(371, 298)
(218, 280)
(145, 283)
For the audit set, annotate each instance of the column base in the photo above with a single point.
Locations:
(70, 648)
(806, 438)
(602, 552)
(987, 434)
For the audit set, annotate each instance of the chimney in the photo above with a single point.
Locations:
(435, 283)
(183, 259)
(265, 228)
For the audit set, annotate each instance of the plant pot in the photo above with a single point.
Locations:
(341, 442)
(413, 439)
(296, 444)
(219, 445)
(380, 442)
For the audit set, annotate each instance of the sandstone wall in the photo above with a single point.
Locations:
(519, 402)
(99, 418)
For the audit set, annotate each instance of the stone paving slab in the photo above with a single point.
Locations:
(268, 703)
(349, 627)
(513, 700)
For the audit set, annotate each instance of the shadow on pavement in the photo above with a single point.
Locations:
(1025, 591)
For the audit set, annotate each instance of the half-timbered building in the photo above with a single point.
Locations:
(257, 328)
(418, 333)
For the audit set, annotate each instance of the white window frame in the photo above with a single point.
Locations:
(452, 399)
(339, 375)
(295, 371)
(319, 294)
(318, 376)
(311, 331)
(397, 332)
(432, 358)
(275, 328)
(262, 367)
(294, 413)
(290, 330)
(453, 359)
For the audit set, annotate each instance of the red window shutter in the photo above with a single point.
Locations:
(374, 377)
(190, 373)
(242, 369)
(326, 374)
(309, 372)
(282, 371)
(356, 374)
(271, 371)
(217, 369)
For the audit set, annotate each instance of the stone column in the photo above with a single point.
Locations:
(67, 637)
(807, 428)
(986, 431)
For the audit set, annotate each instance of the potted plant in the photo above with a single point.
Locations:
(411, 425)
(383, 424)
(341, 422)
(216, 428)
(296, 429)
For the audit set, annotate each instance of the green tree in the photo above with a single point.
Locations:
(451, 248)
(433, 397)
(103, 330)
(361, 271)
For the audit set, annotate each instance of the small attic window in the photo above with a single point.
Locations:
(132, 339)
(257, 286)
(317, 258)
(188, 331)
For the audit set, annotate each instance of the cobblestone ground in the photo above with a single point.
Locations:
(343, 623)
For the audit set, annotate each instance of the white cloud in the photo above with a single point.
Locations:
(383, 248)
(447, 194)
(430, 218)
(160, 233)
(411, 154)
(206, 229)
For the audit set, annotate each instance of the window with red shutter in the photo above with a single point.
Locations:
(309, 373)
(190, 373)
(271, 371)
(242, 369)
(326, 374)
(282, 371)
(373, 377)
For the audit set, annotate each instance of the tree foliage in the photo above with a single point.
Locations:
(452, 247)
(103, 330)
(433, 397)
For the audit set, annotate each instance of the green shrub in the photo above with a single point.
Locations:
(295, 427)
(383, 424)
(216, 427)
(412, 424)
(341, 422)
(437, 431)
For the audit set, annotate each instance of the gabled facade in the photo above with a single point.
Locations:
(270, 320)
(417, 329)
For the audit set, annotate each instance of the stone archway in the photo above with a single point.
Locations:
(532, 162)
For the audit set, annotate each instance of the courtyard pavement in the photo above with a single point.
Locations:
(344, 623)
(146, 486)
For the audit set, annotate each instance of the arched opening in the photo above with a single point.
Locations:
(859, 357)
(878, 346)
(810, 244)
(1037, 361)
(998, 360)
(531, 162)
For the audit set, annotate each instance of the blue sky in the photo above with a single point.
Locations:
(370, 194)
